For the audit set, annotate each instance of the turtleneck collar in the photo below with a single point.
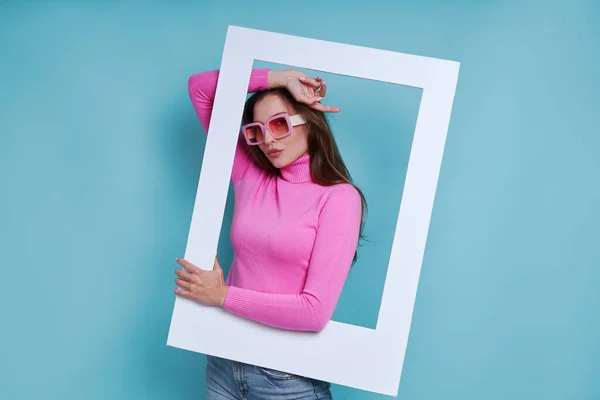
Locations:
(298, 171)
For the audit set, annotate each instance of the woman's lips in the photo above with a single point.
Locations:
(274, 153)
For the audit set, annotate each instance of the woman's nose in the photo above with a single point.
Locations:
(268, 136)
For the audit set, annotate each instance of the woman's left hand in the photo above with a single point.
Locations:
(203, 286)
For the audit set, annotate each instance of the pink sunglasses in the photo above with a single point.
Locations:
(280, 126)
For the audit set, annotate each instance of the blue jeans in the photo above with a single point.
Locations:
(228, 380)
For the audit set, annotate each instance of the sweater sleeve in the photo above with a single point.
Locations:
(202, 88)
(335, 243)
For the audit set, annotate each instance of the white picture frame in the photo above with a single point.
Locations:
(344, 354)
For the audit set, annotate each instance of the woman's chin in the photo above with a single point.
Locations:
(280, 160)
(277, 164)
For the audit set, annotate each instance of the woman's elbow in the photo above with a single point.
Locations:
(316, 315)
(320, 325)
(193, 81)
(318, 321)
(202, 82)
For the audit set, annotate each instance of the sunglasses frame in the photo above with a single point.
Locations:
(292, 121)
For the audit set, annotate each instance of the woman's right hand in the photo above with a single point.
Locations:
(302, 87)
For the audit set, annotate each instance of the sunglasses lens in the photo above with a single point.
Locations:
(279, 127)
(254, 134)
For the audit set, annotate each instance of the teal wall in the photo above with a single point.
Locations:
(100, 153)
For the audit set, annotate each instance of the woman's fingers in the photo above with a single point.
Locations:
(313, 101)
(189, 266)
(186, 276)
(184, 293)
(323, 90)
(183, 284)
(307, 99)
(310, 81)
(322, 107)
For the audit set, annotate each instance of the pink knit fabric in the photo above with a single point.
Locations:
(293, 239)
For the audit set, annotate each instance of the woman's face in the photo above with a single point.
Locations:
(284, 151)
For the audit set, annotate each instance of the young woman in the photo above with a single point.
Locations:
(296, 226)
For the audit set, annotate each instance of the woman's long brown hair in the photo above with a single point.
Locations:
(327, 168)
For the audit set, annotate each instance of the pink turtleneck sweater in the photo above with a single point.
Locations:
(293, 239)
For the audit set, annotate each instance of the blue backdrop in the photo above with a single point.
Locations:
(100, 153)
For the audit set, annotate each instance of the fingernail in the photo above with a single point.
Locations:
(319, 98)
(302, 78)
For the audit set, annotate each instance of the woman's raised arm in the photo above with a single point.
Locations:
(202, 88)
